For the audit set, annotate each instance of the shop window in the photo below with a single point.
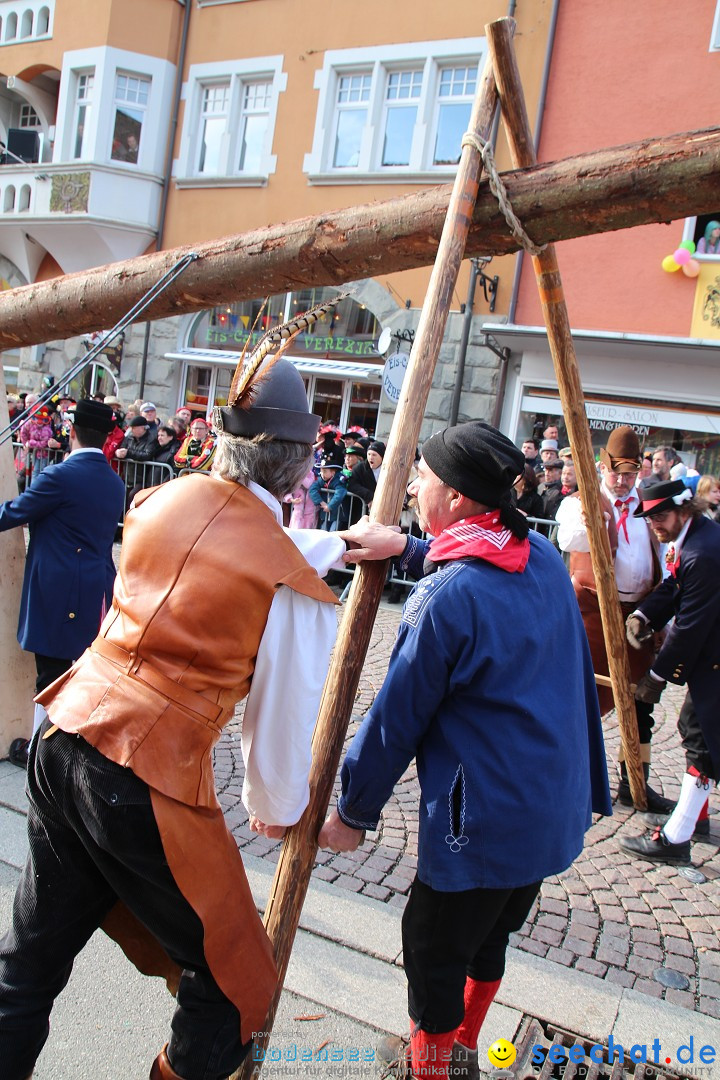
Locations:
(400, 108)
(131, 98)
(196, 394)
(349, 331)
(83, 103)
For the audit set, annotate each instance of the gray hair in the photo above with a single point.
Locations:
(274, 464)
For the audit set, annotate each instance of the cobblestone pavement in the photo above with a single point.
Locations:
(613, 916)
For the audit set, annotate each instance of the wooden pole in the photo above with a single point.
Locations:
(517, 128)
(298, 853)
(654, 180)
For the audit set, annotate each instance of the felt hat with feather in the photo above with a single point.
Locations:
(267, 395)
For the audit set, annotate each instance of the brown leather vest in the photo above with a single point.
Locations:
(201, 560)
(200, 563)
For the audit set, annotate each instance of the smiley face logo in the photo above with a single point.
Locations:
(501, 1054)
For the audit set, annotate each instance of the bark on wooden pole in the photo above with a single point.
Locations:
(517, 128)
(654, 180)
(298, 853)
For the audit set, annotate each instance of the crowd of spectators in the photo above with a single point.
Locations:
(549, 477)
(143, 448)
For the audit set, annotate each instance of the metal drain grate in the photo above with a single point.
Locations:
(532, 1033)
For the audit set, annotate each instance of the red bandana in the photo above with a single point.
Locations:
(482, 537)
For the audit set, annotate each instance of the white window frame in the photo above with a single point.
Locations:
(689, 234)
(430, 57)
(27, 121)
(239, 73)
(715, 35)
(87, 103)
(142, 107)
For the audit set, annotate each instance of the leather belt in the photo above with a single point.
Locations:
(140, 669)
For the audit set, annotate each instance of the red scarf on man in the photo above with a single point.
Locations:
(482, 537)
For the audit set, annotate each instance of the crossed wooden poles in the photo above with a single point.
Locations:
(656, 180)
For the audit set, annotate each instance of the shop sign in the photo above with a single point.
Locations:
(303, 343)
(610, 425)
(394, 374)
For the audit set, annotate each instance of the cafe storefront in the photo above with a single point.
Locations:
(337, 356)
(668, 390)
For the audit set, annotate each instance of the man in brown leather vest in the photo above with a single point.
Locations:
(637, 571)
(124, 824)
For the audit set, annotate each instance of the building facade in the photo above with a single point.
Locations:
(131, 124)
(647, 338)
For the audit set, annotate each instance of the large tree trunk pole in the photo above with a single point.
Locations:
(298, 853)
(654, 180)
(18, 668)
(517, 128)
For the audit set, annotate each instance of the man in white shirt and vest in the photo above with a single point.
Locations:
(637, 571)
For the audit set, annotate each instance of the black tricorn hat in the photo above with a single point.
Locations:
(94, 415)
(661, 497)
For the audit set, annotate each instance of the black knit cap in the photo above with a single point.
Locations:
(480, 462)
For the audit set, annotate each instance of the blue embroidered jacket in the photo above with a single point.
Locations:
(506, 732)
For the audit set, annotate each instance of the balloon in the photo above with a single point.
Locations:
(669, 265)
(681, 256)
(689, 245)
(692, 268)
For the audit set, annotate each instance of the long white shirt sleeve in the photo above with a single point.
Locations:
(572, 534)
(289, 676)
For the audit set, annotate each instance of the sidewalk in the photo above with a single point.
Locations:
(585, 963)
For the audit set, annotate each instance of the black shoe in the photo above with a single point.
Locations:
(702, 827)
(18, 752)
(655, 847)
(656, 803)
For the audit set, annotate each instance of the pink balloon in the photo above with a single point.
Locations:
(691, 268)
(682, 256)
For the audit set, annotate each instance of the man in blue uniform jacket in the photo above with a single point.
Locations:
(73, 509)
(509, 752)
(690, 654)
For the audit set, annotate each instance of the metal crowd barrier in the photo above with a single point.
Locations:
(134, 474)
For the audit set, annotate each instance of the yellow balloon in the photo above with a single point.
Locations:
(669, 265)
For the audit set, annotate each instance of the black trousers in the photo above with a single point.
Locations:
(449, 935)
(93, 839)
(693, 741)
(49, 668)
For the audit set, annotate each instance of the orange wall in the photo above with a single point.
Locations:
(302, 33)
(151, 27)
(621, 72)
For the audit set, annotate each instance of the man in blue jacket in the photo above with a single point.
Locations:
(690, 654)
(510, 757)
(73, 509)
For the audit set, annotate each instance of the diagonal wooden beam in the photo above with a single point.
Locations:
(659, 179)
